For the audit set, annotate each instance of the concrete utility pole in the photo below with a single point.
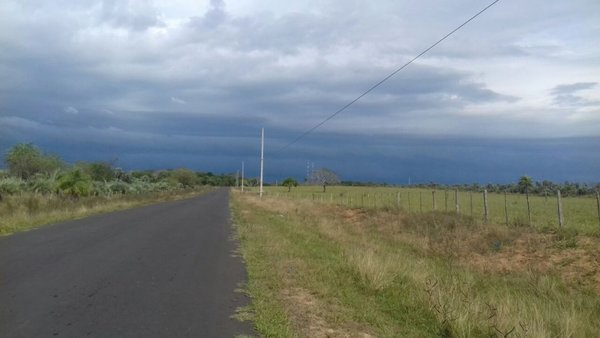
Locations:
(242, 176)
(262, 158)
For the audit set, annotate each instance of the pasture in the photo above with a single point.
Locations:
(330, 268)
(579, 213)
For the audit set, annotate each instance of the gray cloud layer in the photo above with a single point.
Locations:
(149, 79)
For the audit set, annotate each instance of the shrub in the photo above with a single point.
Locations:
(75, 183)
(12, 185)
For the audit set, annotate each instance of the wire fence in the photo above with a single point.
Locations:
(550, 211)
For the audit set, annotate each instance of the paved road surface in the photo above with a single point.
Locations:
(158, 271)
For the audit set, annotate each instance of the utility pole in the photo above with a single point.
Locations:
(242, 176)
(262, 158)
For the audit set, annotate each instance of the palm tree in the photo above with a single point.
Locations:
(525, 182)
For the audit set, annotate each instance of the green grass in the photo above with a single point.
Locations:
(284, 257)
(324, 270)
(25, 211)
(580, 213)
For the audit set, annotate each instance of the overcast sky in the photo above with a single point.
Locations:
(166, 84)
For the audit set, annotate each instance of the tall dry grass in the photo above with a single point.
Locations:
(474, 279)
(23, 211)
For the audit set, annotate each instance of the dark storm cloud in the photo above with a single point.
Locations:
(130, 79)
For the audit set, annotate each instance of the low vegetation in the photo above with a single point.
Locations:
(20, 212)
(40, 188)
(330, 270)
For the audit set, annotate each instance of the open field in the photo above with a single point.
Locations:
(24, 211)
(326, 270)
(580, 213)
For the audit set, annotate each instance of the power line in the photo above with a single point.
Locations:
(386, 78)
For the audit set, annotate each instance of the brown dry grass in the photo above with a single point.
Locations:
(490, 249)
(308, 314)
(477, 279)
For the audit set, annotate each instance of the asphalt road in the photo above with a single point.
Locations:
(165, 270)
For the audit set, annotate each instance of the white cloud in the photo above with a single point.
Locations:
(294, 64)
(178, 101)
(71, 110)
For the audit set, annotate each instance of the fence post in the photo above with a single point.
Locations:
(505, 209)
(457, 202)
(471, 198)
(528, 206)
(445, 200)
(486, 214)
(420, 201)
(433, 196)
(560, 210)
(598, 204)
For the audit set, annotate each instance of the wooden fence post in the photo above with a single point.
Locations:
(505, 209)
(486, 215)
(445, 200)
(560, 210)
(433, 196)
(471, 198)
(528, 206)
(456, 201)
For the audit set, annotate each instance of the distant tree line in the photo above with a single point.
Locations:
(29, 169)
(523, 185)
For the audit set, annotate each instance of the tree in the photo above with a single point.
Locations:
(185, 177)
(525, 183)
(99, 170)
(289, 182)
(251, 182)
(24, 160)
(324, 177)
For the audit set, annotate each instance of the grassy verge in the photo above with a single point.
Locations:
(27, 211)
(326, 270)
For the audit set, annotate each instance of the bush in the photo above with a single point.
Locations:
(75, 183)
(43, 185)
(11, 185)
(185, 177)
